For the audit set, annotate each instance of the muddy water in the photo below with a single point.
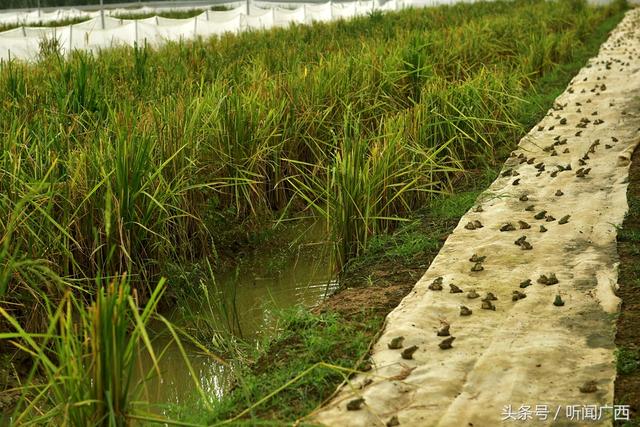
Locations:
(263, 285)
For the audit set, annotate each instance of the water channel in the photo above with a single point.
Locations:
(304, 279)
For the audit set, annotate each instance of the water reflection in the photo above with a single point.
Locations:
(175, 384)
(259, 294)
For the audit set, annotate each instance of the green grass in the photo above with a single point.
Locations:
(323, 347)
(423, 232)
(83, 364)
(634, 206)
(631, 236)
(86, 359)
(627, 360)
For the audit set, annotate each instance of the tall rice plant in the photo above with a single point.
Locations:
(109, 164)
(86, 357)
(370, 182)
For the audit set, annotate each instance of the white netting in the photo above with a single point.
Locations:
(24, 42)
(284, 17)
(225, 16)
(343, 11)
(96, 24)
(258, 19)
(319, 12)
(210, 28)
(124, 35)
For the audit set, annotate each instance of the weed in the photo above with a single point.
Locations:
(628, 360)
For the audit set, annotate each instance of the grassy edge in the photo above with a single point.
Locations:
(627, 391)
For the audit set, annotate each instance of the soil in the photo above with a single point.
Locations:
(627, 387)
(379, 287)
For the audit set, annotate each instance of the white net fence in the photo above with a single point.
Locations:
(104, 31)
(100, 32)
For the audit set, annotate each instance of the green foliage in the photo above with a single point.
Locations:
(215, 322)
(299, 369)
(49, 47)
(84, 361)
(86, 356)
(420, 235)
(14, 84)
(628, 360)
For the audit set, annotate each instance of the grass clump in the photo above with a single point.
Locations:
(296, 372)
(627, 360)
(83, 370)
(86, 358)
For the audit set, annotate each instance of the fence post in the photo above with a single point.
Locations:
(102, 13)
(247, 7)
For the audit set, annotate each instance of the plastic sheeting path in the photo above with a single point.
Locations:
(528, 352)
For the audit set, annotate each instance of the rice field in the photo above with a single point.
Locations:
(123, 163)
